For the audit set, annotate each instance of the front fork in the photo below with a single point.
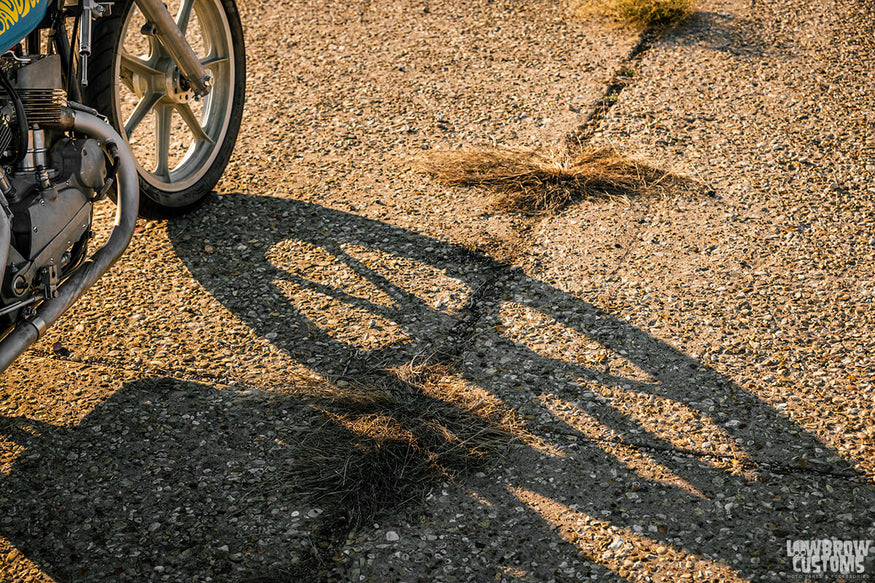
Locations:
(168, 34)
(90, 11)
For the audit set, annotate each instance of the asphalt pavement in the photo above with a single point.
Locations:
(685, 379)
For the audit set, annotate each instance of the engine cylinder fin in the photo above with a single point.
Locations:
(41, 106)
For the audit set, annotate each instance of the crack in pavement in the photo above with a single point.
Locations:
(485, 298)
(622, 78)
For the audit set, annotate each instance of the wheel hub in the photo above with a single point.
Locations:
(166, 81)
(176, 87)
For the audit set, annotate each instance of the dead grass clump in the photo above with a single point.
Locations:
(538, 181)
(640, 13)
(391, 440)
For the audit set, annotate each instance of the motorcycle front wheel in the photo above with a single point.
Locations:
(182, 144)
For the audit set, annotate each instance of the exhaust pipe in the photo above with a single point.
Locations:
(5, 240)
(28, 331)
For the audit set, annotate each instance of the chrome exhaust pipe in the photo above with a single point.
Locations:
(28, 331)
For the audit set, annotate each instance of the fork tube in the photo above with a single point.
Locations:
(174, 40)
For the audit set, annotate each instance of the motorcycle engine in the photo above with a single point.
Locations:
(49, 188)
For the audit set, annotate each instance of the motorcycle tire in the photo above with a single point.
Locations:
(135, 84)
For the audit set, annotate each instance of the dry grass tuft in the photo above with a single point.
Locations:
(545, 180)
(640, 13)
(395, 435)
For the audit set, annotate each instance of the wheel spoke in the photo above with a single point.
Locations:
(213, 62)
(191, 120)
(184, 15)
(164, 115)
(145, 105)
(128, 81)
(132, 64)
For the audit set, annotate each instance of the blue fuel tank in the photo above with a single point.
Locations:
(18, 18)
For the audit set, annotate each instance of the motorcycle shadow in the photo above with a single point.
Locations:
(170, 476)
(178, 479)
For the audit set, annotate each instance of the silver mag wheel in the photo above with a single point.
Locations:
(182, 144)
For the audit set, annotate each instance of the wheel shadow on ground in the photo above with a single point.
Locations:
(612, 488)
(735, 460)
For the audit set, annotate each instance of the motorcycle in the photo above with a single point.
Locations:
(121, 100)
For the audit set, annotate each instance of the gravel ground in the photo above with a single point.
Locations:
(691, 373)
